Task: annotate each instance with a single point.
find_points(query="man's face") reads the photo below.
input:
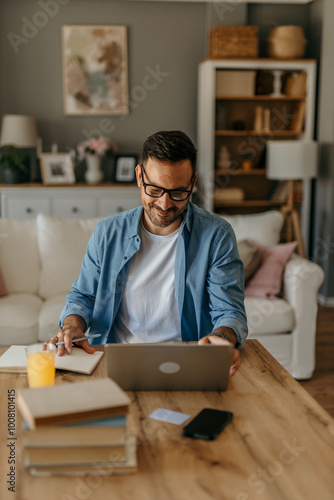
(163, 215)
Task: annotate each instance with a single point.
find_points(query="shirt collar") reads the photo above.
(134, 224)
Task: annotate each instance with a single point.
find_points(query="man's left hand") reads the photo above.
(214, 339)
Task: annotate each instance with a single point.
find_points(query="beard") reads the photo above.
(163, 218)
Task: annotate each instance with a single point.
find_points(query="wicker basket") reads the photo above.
(286, 42)
(234, 42)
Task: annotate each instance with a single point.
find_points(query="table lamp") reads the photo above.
(21, 131)
(292, 160)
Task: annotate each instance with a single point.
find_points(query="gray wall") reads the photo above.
(170, 36)
(323, 242)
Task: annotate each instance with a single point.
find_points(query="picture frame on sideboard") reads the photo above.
(57, 168)
(125, 165)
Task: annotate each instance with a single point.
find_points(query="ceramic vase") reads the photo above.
(93, 174)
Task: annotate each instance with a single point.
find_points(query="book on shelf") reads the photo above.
(101, 468)
(272, 190)
(14, 360)
(279, 191)
(296, 85)
(74, 402)
(297, 122)
(300, 89)
(298, 192)
(290, 84)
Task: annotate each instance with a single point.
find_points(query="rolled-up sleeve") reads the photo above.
(225, 285)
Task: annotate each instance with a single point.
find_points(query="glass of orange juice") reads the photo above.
(41, 364)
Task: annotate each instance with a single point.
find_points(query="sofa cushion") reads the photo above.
(62, 245)
(264, 228)
(265, 317)
(267, 281)
(49, 317)
(19, 319)
(250, 255)
(19, 257)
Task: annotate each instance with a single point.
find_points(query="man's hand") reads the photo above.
(73, 327)
(214, 339)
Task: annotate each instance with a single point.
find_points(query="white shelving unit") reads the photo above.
(209, 136)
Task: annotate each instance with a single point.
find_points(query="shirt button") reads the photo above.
(125, 258)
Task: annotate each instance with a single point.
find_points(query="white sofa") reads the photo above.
(41, 258)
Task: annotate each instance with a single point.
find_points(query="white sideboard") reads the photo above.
(25, 201)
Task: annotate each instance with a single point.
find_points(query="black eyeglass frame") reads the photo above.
(163, 190)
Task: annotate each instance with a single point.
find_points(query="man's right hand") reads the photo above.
(73, 327)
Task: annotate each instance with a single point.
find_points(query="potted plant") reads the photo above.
(15, 164)
(248, 160)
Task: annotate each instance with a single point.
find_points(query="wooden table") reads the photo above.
(280, 445)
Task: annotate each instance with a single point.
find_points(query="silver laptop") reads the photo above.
(179, 366)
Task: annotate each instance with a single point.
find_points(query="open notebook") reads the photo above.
(14, 360)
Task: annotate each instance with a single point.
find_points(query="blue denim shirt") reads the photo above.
(209, 275)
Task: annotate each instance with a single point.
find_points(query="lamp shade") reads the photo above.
(18, 130)
(292, 159)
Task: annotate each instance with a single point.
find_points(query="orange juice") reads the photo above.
(41, 368)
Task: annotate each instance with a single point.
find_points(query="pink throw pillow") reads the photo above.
(267, 281)
(3, 288)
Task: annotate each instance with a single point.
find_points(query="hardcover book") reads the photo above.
(73, 402)
(100, 469)
(75, 436)
(75, 455)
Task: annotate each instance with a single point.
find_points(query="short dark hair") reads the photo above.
(170, 146)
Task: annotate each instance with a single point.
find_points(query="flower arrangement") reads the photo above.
(98, 147)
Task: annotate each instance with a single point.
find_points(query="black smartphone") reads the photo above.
(207, 424)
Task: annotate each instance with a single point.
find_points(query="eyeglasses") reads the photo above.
(158, 192)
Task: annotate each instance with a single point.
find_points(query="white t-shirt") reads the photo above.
(148, 311)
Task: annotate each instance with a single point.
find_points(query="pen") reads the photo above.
(82, 338)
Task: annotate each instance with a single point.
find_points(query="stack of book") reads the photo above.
(77, 429)
(280, 191)
(296, 84)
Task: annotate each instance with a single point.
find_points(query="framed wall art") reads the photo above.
(95, 70)
(125, 168)
(57, 168)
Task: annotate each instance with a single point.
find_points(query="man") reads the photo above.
(166, 271)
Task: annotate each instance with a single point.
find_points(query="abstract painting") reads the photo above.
(95, 71)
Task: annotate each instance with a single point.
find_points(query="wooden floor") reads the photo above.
(321, 385)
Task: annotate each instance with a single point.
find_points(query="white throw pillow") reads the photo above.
(62, 245)
(264, 228)
(19, 259)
